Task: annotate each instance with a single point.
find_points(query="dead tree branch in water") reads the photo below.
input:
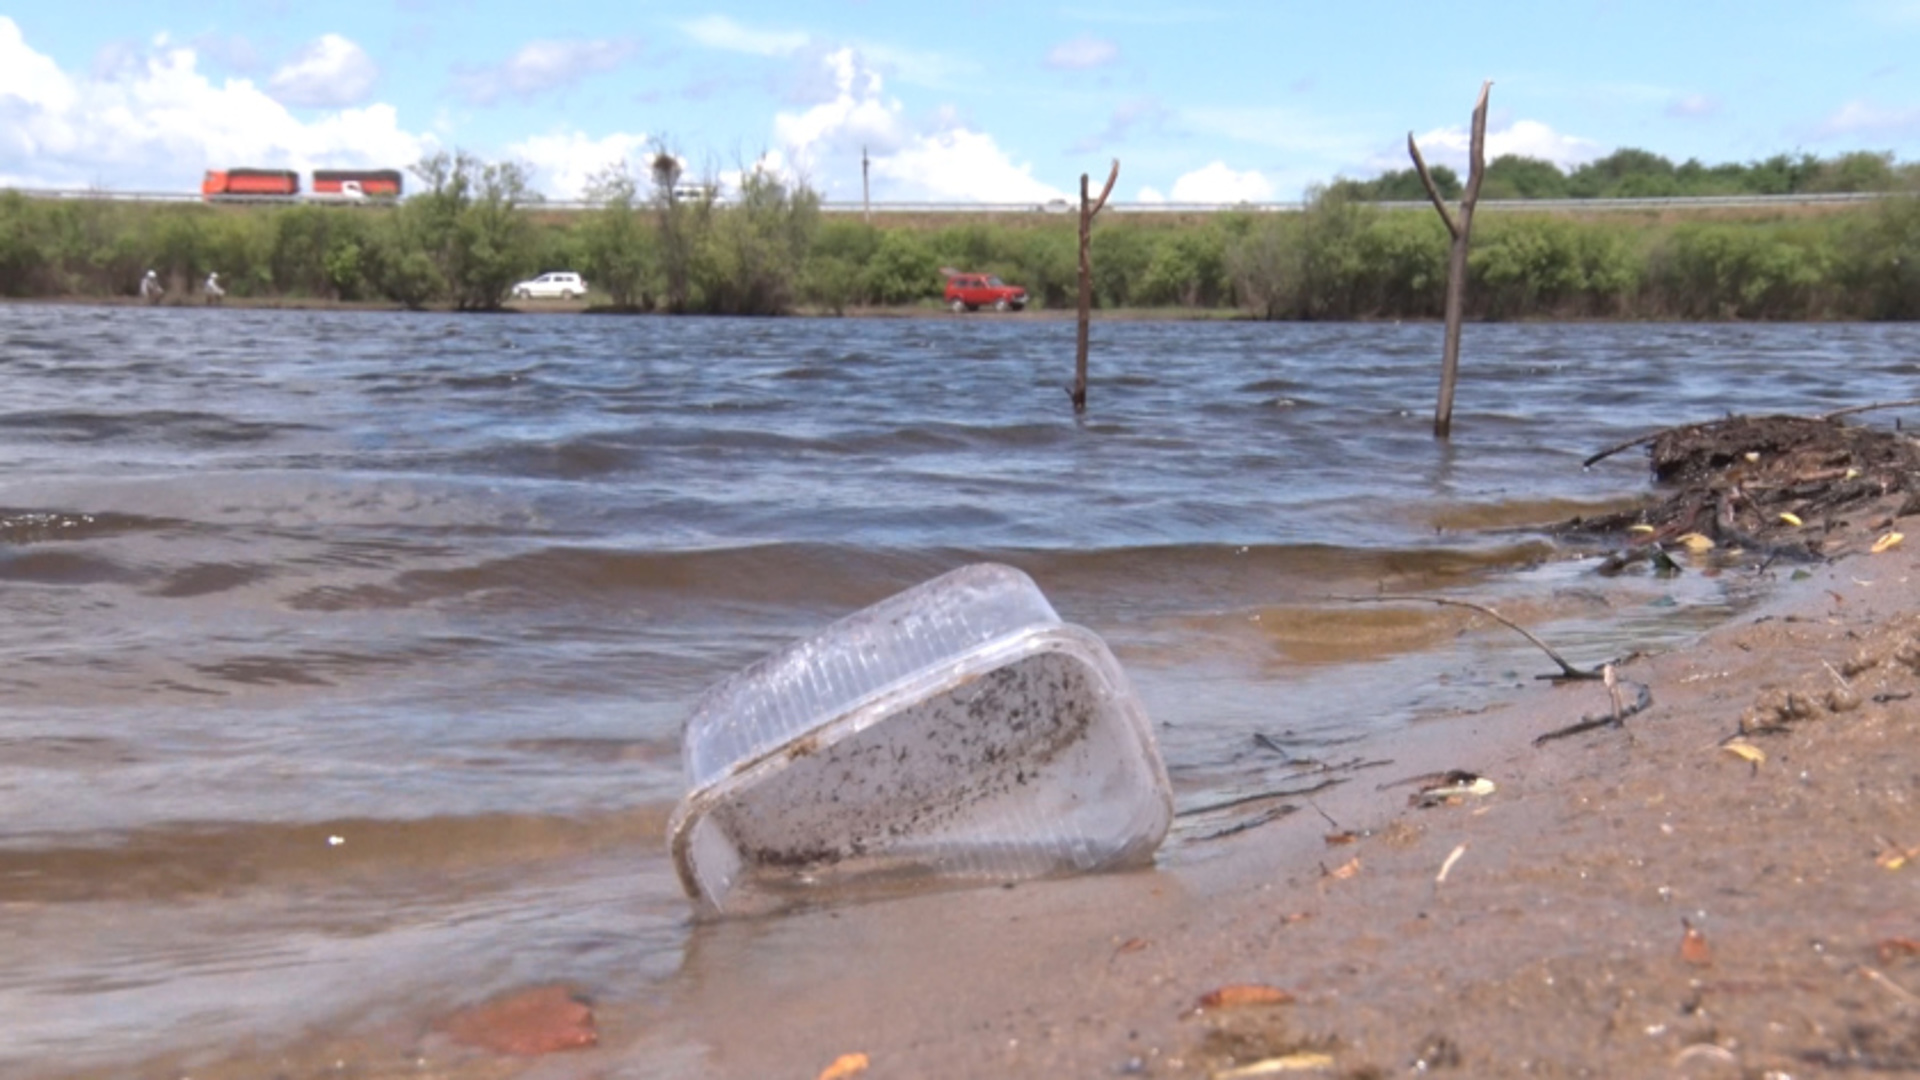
(1617, 447)
(1567, 670)
(1850, 410)
(1461, 229)
(1823, 417)
(1078, 391)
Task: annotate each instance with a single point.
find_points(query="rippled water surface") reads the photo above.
(345, 653)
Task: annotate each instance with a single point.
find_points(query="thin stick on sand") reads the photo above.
(1567, 670)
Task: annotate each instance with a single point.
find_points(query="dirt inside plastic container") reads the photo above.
(991, 778)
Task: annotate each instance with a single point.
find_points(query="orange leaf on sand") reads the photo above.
(844, 1066)
(526, 1022)
(1693, 945)
(1898, 946)
(1237, 994)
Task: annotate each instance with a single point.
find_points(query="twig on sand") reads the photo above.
(1894, 988)
(1616, 717)
(1567, 670)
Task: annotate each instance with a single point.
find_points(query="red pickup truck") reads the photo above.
(971, 292)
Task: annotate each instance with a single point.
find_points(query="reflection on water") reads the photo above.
(442, 590)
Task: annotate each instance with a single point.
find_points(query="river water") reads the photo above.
(345, 653)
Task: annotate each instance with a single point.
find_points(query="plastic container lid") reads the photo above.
(956, 730)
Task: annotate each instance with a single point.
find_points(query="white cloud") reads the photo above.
(330, 72)
(1081, 53)
(28, 78)
(720, 32)
(1283, 128)
(1450, 146)
(1859, 117)
(1693, 106)
(1163, 16)
(1216, 183)
(961, 166)
(564, 162)
(1896, 12)
(1126, 116)
(856, 114)
(155, 124)
(950, 164)
(540, 66)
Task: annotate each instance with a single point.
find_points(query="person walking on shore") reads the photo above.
(214, 292)
(150, 288)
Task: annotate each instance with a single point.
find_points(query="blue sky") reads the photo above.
(984, 100)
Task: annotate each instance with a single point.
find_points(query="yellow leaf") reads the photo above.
(1640, 528)
(1891, 540)
(1696, 543)
(1792, 519)
(1299, 1062)
(1237, 994)
(1746, 752)
(844, 1066)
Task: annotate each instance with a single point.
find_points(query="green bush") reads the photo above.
(473, 232)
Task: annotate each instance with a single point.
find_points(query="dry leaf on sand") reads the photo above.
(1693, 945)
(527, 1022)
(844, 1066)
(1237, 994)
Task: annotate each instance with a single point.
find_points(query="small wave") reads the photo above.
(62, 568)
(191, 430)
(42, 526)
(829, 577)
(173, 861)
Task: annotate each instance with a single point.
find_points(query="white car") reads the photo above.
(561, 284)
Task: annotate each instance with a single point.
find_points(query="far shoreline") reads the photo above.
(926, 311)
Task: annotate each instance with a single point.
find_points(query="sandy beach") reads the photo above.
(1635, 900)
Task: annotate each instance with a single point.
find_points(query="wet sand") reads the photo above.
(1632, 901)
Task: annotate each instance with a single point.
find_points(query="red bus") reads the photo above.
(374, 183)
(250, 184)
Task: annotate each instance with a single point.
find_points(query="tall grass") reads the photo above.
(473, 232)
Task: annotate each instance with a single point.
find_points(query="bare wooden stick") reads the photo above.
(1612, 450)
(1078, 391)
(1426, 181)
(1567, 670)
(1868, 408)
(1461, 229)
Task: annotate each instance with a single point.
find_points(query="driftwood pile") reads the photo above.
(1763, 488)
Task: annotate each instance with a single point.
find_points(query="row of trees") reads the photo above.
(474, 231)
(1639, 174)
(471, 232)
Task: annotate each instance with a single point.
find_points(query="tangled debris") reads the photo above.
(1762, 487)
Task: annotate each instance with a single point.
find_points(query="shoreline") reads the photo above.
(1631, 901)
(927, 311)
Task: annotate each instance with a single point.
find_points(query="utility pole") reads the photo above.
(866, 197)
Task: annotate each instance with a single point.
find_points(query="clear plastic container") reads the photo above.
(957, 730)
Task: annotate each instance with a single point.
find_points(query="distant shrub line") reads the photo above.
(475, 230)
